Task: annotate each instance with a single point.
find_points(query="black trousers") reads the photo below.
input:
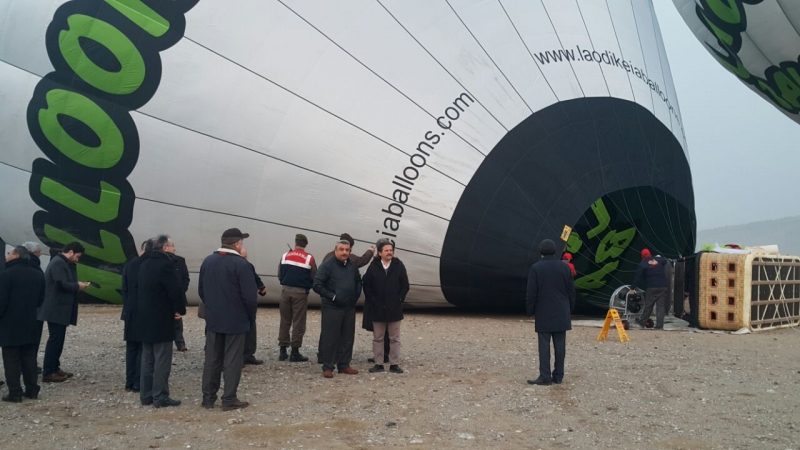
(655, 297)
(251, 342)
(133, 364)
(180, 342)
(18, 361)
(54, 348)
(338, 335)
(39, 342)
(560, 345)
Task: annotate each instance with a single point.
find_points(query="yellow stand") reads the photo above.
(613, 315)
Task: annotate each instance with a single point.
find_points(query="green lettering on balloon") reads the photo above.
(123, 82)
(790, 91)
(596, 280)
(103, 211)
(83, 109)
(603, 218)
(613, 244)
(111, 250)
(726, 10)
(109, 283)
(142, 15)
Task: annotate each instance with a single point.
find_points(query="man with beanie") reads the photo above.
(338, 283)
(228, 290)
(652, 275)
(550, 299)
(359, 262)
(296, 274)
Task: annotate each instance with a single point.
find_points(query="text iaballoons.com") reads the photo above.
(405, 180)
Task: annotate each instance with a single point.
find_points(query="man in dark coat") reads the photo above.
(338, 283)
(60, 307)
(551, 299)
(22, 290)
(228, 290)
(359, 261)
(182, 273)
(251, 338)
(160, 304)
(130, 305)
(35, 251)
(652, 275)
(385, 289)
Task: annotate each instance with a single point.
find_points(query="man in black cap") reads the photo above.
(551, 298)
(296, 274)
(228, 291)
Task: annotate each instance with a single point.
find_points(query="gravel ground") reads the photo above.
(464, 387)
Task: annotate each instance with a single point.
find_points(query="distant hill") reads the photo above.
(783, 232)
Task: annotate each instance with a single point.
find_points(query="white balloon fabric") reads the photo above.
(756, 40)
(464, 130)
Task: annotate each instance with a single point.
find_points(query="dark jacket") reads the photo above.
(22, 290)
(385, 291)
(297, 269)
(551, 295)
(359, 261)
(159, 299)
(228, 291)
(181, 272)
(61, 292)
(651, 273)
(36, 263)
(130, 297)
(338, 284)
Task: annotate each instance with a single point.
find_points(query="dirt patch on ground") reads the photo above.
(464, 387)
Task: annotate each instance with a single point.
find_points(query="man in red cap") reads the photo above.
(652, 275)
(567, 258)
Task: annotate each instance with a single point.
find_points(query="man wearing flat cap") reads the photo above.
(296, 274)
(551, 298)
(228, 291)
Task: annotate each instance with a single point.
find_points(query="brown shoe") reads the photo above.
(327, 374)
(53, 378)
(64, 374)
(348, 370)
(235, 405)
(183, 349)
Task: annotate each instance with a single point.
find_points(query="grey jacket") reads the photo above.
(228, 291)
(338, 283)
(61, 293)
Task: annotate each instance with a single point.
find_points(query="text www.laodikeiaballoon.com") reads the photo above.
(609, 58)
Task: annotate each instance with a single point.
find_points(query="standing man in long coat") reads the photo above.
(130, 304)
(160, 304)
(551, 299)
(385, 289)
(21, 292)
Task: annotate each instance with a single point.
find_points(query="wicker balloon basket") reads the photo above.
(757, 292)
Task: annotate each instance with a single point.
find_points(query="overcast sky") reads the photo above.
(744, 153)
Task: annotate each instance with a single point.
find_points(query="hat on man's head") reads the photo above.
(567, 256)
(346, 237)
(301, 238)
(646, 253)
(547, 247)
(235, 233)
